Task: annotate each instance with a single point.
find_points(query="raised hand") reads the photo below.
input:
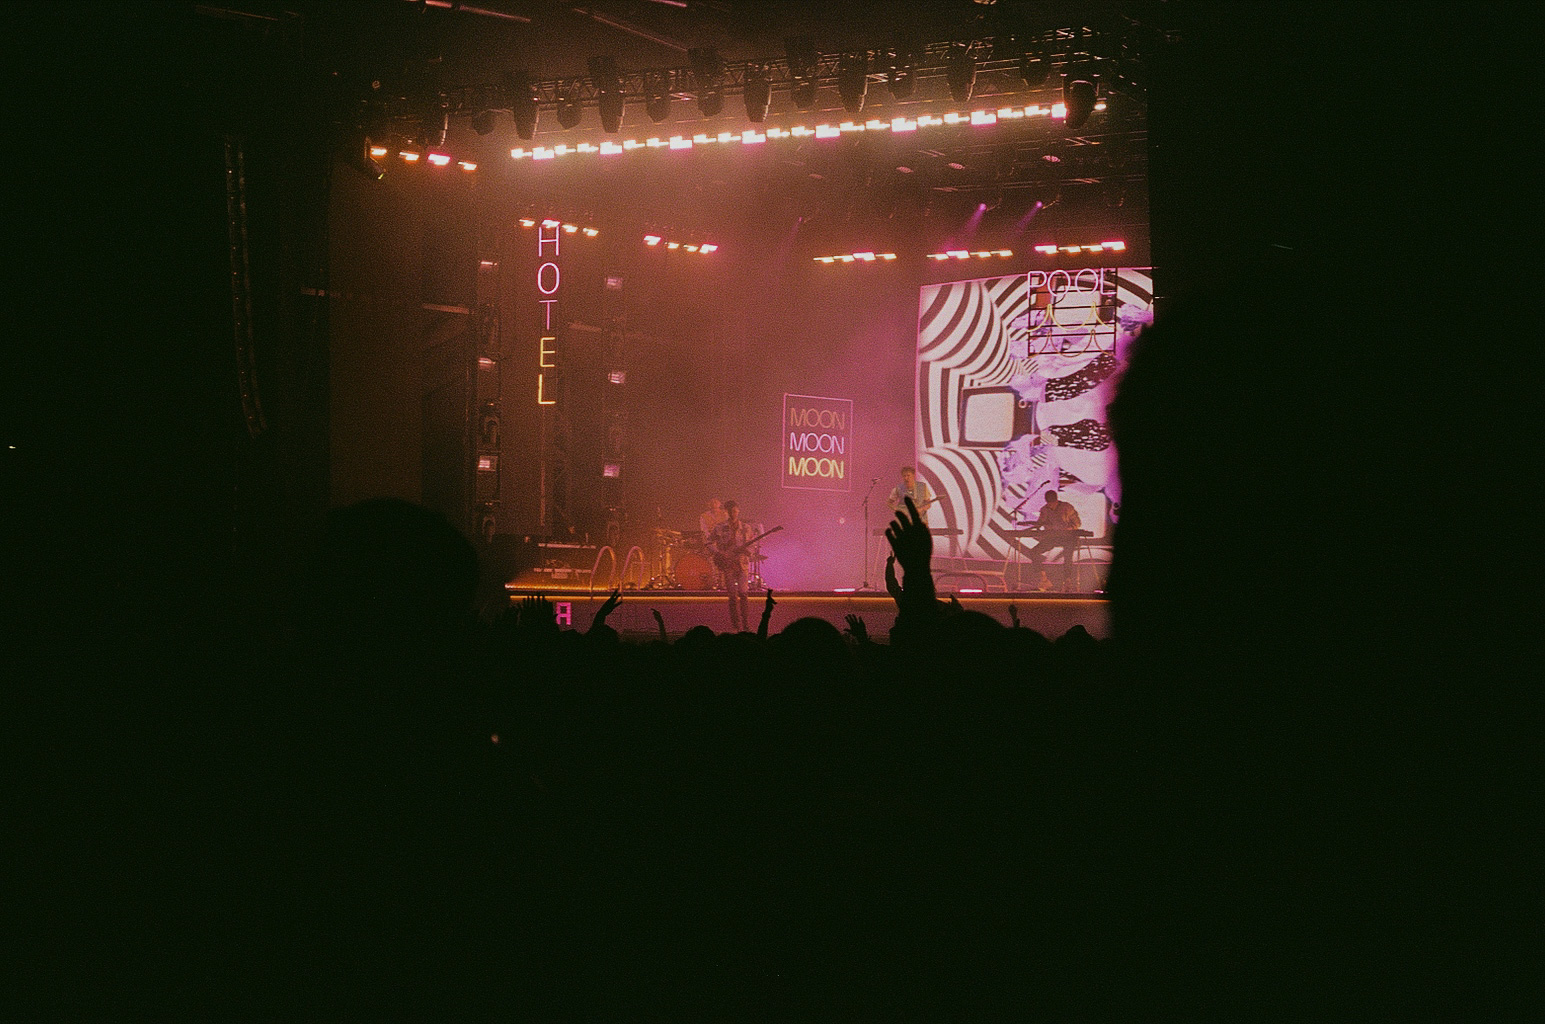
(767, 610)
(659, 620)
(857, 630)
(607, 607)
(537, 615)
(892, 585)
(955, 606)
(1014, 614)
(911, 540)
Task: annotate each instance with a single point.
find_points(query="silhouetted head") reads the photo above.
(389, 569)
(733, 510)
(814, 638)
(1051, 497)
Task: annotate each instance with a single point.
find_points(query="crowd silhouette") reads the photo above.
(1253, 795)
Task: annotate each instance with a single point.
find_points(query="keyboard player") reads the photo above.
(1060, 528)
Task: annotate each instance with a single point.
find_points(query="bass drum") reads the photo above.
(694, 572)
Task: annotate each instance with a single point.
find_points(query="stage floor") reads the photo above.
(1048, 613)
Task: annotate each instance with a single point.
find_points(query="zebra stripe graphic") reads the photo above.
(1060, 341)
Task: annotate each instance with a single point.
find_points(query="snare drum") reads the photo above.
(694, 571)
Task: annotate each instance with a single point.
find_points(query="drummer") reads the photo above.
(712, 517)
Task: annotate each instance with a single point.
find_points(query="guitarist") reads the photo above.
(911, 487)
(728, 543)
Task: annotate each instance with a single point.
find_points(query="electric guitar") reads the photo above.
(725, 560)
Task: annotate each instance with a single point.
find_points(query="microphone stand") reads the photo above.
(866, 585)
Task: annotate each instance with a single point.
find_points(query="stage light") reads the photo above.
(657, 96)
(618, 376)
(571, 228)
(980, 117)
(440, 159)
(608, 84)
(679, 142)
(518, 153)
(610, 148)
(466, 165)
(751, 137)
(826, 131)
(708, 247)
(1078, 96)
(853, 80)
(527, 222)
(362, 156)
(591, 232)
(569, 107)
(707, 79)
(757, 93)
(1034, 68)
(960, 71)
(900, 74)
(409, 155)
(903, 124)
(803, 62)
(651, 239)
(522, 99)
(673, 245)
(483, 122)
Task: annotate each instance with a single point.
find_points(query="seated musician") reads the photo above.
(1060, 527)
(711, 518)
(728, 544)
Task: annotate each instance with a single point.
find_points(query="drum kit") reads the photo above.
(685, 563)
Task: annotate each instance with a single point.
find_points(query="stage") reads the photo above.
(1047, 613)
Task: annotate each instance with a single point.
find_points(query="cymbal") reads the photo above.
(660, 531)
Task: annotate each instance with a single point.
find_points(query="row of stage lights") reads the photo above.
(435, 158)
(748, 137)
(572, 229)
(966, 254)
(701, 248)
(751, 136)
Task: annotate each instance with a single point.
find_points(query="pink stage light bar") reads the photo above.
(962, 254)
(1051, 248)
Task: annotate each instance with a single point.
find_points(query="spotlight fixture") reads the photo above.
(803, 61)
(522, 99)
(1034, 68)
(608, 84)
(1078, 95)
(483, 122)
(657, 96)
(960, 71)
(361, 157)
(853, 80)
(901, 75)
(568, 106)
(707, 79)
(757, 93)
